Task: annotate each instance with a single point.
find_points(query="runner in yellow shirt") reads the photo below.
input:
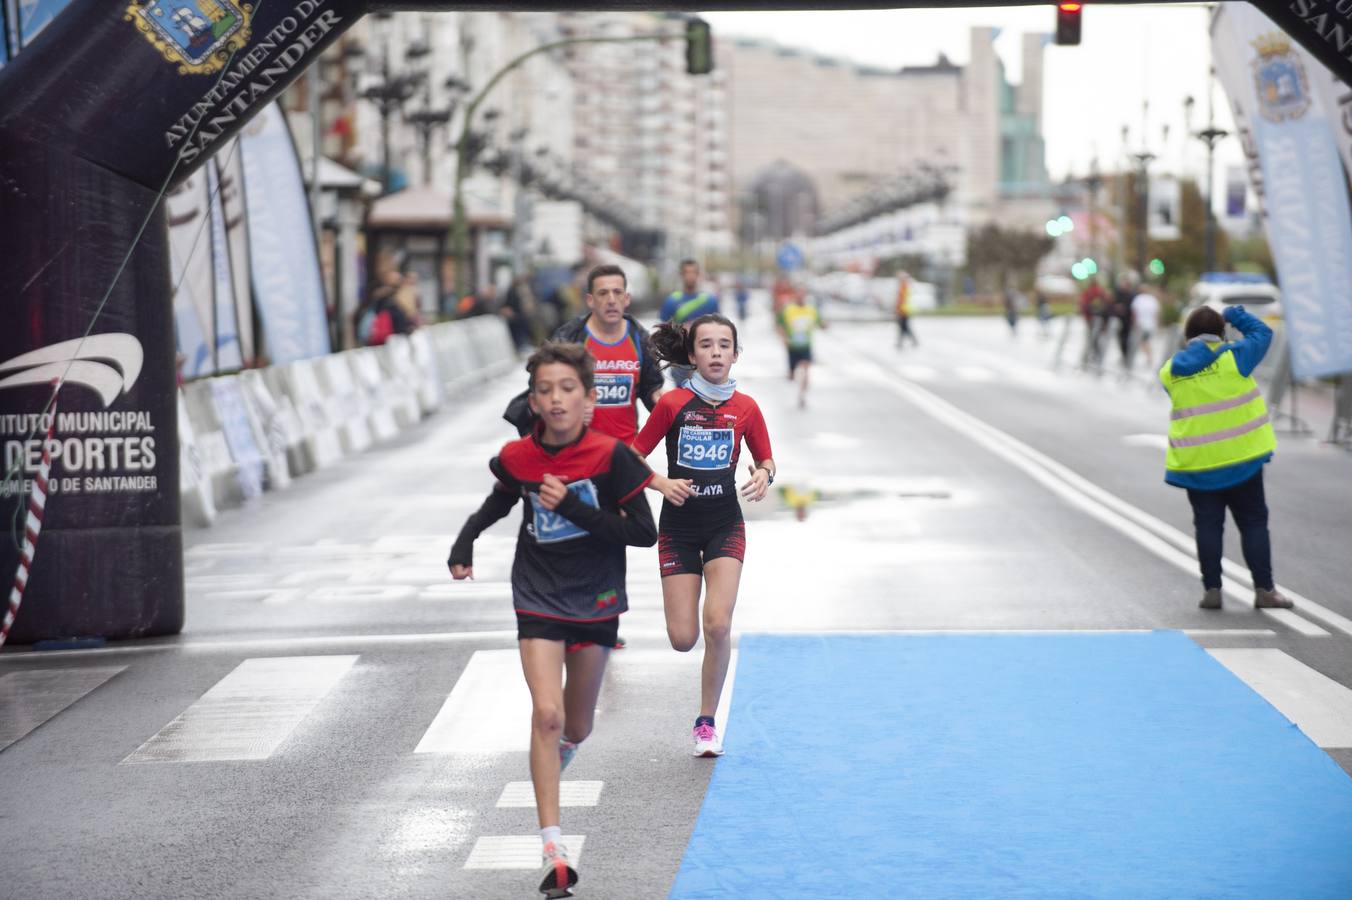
(796, 324)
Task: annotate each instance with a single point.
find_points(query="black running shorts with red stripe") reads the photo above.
(686, 552)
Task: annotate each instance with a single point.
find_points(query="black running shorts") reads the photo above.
(685, 551)
(797, 356)
(575, 634)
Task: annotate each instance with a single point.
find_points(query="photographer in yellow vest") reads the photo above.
(1220, 438)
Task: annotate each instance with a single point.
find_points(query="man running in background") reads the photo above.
(689, 302)
(686, 305)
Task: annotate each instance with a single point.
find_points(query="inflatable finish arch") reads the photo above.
(114, 102)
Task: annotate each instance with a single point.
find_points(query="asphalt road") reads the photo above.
(957, 486)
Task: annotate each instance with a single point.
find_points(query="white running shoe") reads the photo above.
(558, 876)
(706, 741)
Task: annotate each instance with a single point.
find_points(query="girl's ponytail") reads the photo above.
(669, 344)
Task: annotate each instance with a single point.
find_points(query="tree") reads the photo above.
(1252, 254)
(996, 255)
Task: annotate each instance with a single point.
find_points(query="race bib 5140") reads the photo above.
(550, 527)
(614, 388)
(705, 448)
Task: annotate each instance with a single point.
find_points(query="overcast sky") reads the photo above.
(1128, 54)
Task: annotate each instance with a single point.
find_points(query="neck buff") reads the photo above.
(707, 390)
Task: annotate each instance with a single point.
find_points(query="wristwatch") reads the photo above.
(770, 476)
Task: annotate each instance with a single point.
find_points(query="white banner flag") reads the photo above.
(1287, 127)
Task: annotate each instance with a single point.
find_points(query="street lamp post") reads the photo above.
(389, 95)
(1209, 136)
(1093, 182)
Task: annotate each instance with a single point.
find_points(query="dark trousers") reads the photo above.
(1248, 505)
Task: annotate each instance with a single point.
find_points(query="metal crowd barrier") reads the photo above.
(241, 435)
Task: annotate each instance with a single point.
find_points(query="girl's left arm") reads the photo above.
(757, 438)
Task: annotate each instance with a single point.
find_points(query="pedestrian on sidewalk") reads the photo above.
(1220, 438)
(701, 544)
(583, 504)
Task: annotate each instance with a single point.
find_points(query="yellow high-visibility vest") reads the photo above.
(1219, 417)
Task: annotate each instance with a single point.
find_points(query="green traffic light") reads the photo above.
(1157, 266)
(699, 50)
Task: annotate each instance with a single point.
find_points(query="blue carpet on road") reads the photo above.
(953, 766)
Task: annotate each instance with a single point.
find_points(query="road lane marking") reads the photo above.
(1318, 705)
(919, 373)
(488, 710)
(248, 713)
(521, 794)
(518, 851)
(976, 374)
(725, 699)
(1229, 632)
(1152, 441)
(28, 699)
(1162, 539)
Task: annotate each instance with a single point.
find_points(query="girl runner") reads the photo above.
(584, 502)
(701, 543)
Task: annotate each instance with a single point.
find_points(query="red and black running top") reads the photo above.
(569, 561)
(704, 442)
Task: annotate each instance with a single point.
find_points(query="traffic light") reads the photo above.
(699, 47)
(1068, 23)
(1156, 267)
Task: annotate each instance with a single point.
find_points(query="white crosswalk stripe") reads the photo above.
(248, 713)
(488, 711)
(521, 794)
(518, 851)
(28, 699)
(1318, 705)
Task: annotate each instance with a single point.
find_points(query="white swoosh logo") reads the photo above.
(73, 362)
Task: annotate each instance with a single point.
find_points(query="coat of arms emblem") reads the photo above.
(1279, 76)
(199, 35)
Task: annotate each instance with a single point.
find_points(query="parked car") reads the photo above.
(1221, 289)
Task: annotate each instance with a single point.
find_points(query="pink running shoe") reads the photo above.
(707, 743)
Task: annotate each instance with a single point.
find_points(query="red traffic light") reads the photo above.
(1068, 23)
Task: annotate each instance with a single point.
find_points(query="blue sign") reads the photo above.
(789, 257)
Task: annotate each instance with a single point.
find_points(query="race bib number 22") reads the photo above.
(550, 527)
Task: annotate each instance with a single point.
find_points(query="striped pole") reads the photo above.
(37, 504)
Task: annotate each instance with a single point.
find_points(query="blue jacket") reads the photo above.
(1196, 356)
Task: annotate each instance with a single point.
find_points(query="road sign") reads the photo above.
(789, 257)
